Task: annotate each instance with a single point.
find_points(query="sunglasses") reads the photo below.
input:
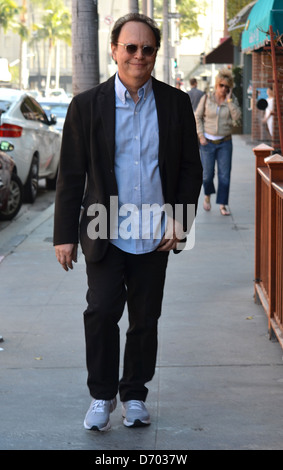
(131, 49)
(222, 86)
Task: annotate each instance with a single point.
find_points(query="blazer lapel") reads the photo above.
(162, 107)
(107, 110)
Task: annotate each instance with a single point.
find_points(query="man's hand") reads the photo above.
(174, 233)
(66, 254)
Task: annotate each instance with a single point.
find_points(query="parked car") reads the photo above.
(36, 141)
(11, 188)
(56, 108)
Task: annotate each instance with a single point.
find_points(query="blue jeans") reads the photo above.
(222, 154)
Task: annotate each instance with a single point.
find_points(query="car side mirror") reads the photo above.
(52, 119)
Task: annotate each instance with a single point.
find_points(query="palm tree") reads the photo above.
(188, 9)
(56, 26)
(147, 7)
(22, 30)
(8, 9)
(85, 45)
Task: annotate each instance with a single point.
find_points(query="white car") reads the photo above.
(36, 142)
(57, 108)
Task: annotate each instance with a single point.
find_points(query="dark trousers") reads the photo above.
(119, 278)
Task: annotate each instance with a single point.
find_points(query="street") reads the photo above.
(12, 231)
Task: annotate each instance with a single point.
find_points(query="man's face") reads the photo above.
(134, 69)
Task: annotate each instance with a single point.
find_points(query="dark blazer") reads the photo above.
(88, 148)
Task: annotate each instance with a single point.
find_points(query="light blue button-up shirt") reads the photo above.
(138, 227)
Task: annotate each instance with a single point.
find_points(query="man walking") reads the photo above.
(194, 93)
(132, 140)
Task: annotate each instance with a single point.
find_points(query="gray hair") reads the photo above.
(139, 18)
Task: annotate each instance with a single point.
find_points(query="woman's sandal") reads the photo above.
(224, 211)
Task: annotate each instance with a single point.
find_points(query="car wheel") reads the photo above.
(31, 186)
(15, 199)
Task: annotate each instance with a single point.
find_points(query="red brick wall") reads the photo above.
(279, 65)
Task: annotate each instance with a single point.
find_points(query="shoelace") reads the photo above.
(135, 405)
(98, 406)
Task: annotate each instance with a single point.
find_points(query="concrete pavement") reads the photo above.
(219, 379)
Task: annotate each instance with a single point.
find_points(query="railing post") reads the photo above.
(275, 167)
(261, 152)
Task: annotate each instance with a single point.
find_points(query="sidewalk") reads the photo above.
(219, 379)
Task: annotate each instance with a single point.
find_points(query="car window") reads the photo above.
(60, 110)
(4, 105)
(32, 111)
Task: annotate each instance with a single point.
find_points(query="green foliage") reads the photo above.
(56, 22)
(8, 10)
(22, 30)
(189, 10)
(238, 83)
(233, 7)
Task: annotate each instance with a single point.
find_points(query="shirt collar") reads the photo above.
(122, 91)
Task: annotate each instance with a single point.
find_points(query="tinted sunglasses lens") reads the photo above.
(131, 48)
(148, 50)
(222, 86)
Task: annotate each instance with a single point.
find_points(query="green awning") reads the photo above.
(265, 13)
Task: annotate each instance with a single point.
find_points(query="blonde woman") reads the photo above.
(215, 115)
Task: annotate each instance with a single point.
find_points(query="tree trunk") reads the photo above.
(144, 7)
(134, 6)
(147, 7)
(49, 66)
(85, 45)
(57, 73)
(150, 8)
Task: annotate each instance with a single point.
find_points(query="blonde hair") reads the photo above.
(225, 74)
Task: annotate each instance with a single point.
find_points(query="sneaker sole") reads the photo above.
(96, 428)
(136, 424)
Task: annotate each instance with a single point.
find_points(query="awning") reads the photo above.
(222, 54)
(265, 13)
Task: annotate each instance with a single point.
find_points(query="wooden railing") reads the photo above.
(268, 281)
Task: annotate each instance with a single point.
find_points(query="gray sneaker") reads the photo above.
(97, 417)
(135, 413)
